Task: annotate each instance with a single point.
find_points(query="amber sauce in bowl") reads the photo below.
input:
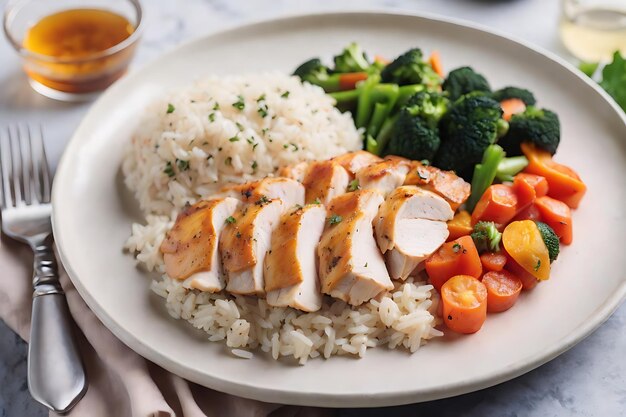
(70, 54)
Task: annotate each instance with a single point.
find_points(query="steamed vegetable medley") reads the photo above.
(506, 236)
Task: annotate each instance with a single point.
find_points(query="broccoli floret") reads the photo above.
(539, 126)
(486, 237)
(415, 133)
(550, 239)
(464, 80)
(471, 124)
(410, 68)
(351, 59)
(514, 92)
(314, 72)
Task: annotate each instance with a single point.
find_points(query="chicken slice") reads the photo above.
(290, 191)
(190, 248)
(353, 162)
(351, 266)
(244, 245)
(447, 184)
(324, 181)
(384, 176)
(295, 171)
(291, 264)
(410, 226)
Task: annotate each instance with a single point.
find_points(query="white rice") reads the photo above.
(230, 129)
(302, 126)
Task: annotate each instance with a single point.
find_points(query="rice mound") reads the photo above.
(230, 129)
(185, 150)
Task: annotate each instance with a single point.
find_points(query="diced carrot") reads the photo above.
(464, 301)
(381, 59)
(528, 280)
(497, 204)
(348, 80)
(558, 216)
(564, 183)
(458, 257)
(524, 243)
(525, 193)
(435, 62)
(493, 261)
(529, 213)
(503, 288)
(539, 183)
(460, 225)
(511, 106)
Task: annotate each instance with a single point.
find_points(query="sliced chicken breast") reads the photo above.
(353, 162)
(410, 226)
(295, 171)
(290, 191)
(351, 267)
(447, 184)
(190, 248)
(324, 181)
(291, 278)
(244, 245)
(384, 176)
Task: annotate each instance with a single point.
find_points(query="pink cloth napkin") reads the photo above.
(121, 383)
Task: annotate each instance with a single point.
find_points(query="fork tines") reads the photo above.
(24, 170)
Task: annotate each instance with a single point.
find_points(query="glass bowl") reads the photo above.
(69, 78)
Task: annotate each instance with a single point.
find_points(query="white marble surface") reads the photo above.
(588, 380)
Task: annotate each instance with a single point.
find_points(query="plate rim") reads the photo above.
(313, 398)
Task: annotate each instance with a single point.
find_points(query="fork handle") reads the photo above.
(56, 376)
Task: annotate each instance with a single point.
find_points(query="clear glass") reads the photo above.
(71, 79)
(592, 30)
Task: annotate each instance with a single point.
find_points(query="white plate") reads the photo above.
(93, 213)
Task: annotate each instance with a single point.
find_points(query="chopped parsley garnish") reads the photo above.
(365, 266)
(239, 104)
(182, 165)
(261, 98)
(425, 162)
(538, 265)
(264, 131)
(285, 94)
(334, 219)
(250, 140)
(456, 248)
(262, 110)
(238, 234)
(295, 147)
(170, 108)
(263, 200)
(254, 146)
(354, 185)
(228, 161)
(239, 126)
(255, 165)
(230, 220)
(285, 145)
(234, 139)
(317, 201)
(212, 117)
(216, 106)
(169, 169)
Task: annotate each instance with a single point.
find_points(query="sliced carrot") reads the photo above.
(464, 301)
(348, 80)
(493, 261)
(529, 213)
(558, 216)
(511, 106)
(539, 183)
(528, 280)
(460, 225)
(435, 62)
(525, 193)
(458, 257)
(564, 183)
(503, 288)
(524, 243)
(497, 204)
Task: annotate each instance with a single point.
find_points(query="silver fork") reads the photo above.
(56, 376)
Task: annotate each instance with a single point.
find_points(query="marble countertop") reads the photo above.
(588, 380)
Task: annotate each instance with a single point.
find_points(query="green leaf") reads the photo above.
(614, 79)
(588, 68)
